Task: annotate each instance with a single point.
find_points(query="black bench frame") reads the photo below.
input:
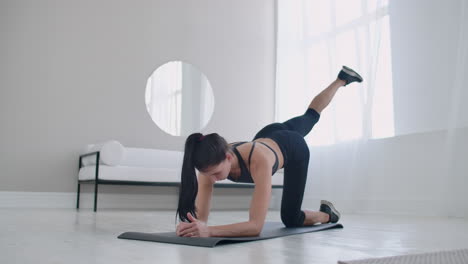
(98, 181)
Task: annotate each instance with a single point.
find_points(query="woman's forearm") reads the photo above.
(243, 229)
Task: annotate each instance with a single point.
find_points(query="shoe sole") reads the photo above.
(352, 73)
(329, 204)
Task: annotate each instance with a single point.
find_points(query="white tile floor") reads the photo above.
(68, 236)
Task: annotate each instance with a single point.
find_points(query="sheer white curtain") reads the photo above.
(314, 39)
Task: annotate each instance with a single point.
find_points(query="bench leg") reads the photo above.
(78, 197)
(95, 195)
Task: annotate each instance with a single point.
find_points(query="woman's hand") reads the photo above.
(194, 229)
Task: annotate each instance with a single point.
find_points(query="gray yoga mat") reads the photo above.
(458, 256)
(270, 230)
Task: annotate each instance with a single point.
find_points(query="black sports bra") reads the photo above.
(245, 175)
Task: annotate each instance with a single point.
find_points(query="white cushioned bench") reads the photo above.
(111, 163)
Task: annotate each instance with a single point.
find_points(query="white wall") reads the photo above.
(74, 72)
(423, 170)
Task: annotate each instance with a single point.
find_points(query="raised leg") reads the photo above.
(323, 99)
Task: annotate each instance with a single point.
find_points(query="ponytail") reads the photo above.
(200, 153)
(188, 181)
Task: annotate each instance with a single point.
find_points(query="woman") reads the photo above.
(276, 146)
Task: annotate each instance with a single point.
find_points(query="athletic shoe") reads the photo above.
(349, 75)
(328, 208)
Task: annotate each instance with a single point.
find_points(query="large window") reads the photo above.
(315, 38)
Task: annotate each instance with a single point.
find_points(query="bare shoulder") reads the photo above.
(262, 156)
(259, 155)
(261, 167)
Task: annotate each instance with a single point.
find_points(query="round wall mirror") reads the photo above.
(179, 98)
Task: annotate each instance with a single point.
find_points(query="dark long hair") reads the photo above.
(200, 153)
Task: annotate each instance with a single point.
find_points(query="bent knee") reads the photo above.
(292, 220)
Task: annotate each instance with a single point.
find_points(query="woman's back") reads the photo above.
(244, 151)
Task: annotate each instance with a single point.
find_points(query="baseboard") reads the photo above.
(231, 201)
(413, 207)
(117, 201)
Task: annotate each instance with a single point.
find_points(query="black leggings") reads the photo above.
(290, 138)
